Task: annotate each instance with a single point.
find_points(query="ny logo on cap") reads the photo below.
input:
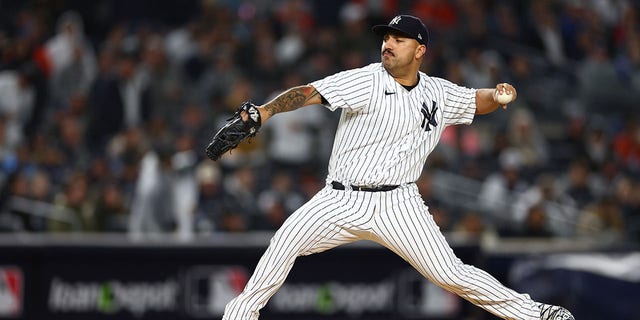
(395, 20)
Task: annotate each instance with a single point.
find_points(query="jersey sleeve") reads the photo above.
(459, 103)
(349, 89)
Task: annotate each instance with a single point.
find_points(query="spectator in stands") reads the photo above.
(265, 70)
(627, 195)
(71, 58)
(571, 143)
(193, 122)
(576, 183)
(180, 43)
(521, 71)
(602, 220)
(480, 67)
(536, 223)
(599, 82)
(153, 208)
(47, 155)
(604, 178)
(232, 220)
(8, 156)
(240, 188)
(100, 171)
(118, 101)
(626, 145)
(319, 63)
(17, 101)
(271, 217)
(40, 188)
(14, 219)
(597, 141)
(185, 185)
(525, 139)
(460, 145)
(75, 212)
(473, 27)
(111, 211)
(277, 202)
(210, 204)
(627, 40)
(354, 35)
(440, 14)
(559, 209)
(165, 89)
(73, 65)
(548, 32)
(488, 159)
(499, 189)
(128, 171)
(507, 28)
(71, 143)
(473, 226)
(219, 79)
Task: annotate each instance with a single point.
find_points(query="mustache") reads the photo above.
(388, 50)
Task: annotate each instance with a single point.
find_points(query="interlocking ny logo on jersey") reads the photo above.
(428, 117)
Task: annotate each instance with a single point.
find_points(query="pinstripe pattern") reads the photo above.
(380, 139)
(384, 137)
(406, 227)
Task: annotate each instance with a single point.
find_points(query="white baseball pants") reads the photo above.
(396, 219)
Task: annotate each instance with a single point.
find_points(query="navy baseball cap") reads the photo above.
(408, 25)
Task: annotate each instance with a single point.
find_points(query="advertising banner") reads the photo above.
(140, 282)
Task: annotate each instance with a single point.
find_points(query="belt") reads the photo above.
(339, 186)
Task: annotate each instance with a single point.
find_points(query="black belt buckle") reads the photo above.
(339, 186)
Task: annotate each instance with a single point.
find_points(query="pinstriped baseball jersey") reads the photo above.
(384, 136)
(386, 132)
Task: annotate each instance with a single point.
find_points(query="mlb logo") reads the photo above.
(209, 288)
(11, 289)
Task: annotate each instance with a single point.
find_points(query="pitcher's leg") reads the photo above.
(409, 230)
(309, 230)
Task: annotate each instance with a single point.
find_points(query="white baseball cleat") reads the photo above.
(551, 312)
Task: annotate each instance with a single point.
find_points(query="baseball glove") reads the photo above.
(235, 131)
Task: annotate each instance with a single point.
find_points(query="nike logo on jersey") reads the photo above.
(428, 117)
(386, 93)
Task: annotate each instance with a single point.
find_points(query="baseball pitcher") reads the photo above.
(392, 118)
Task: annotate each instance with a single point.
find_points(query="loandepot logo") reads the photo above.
(333, 297)
(112, 296)
(406, 292)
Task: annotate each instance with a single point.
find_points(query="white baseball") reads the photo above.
(504, 98)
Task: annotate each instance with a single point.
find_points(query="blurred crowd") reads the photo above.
(105, 110)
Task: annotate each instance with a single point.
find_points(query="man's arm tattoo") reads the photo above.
(291, 99)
